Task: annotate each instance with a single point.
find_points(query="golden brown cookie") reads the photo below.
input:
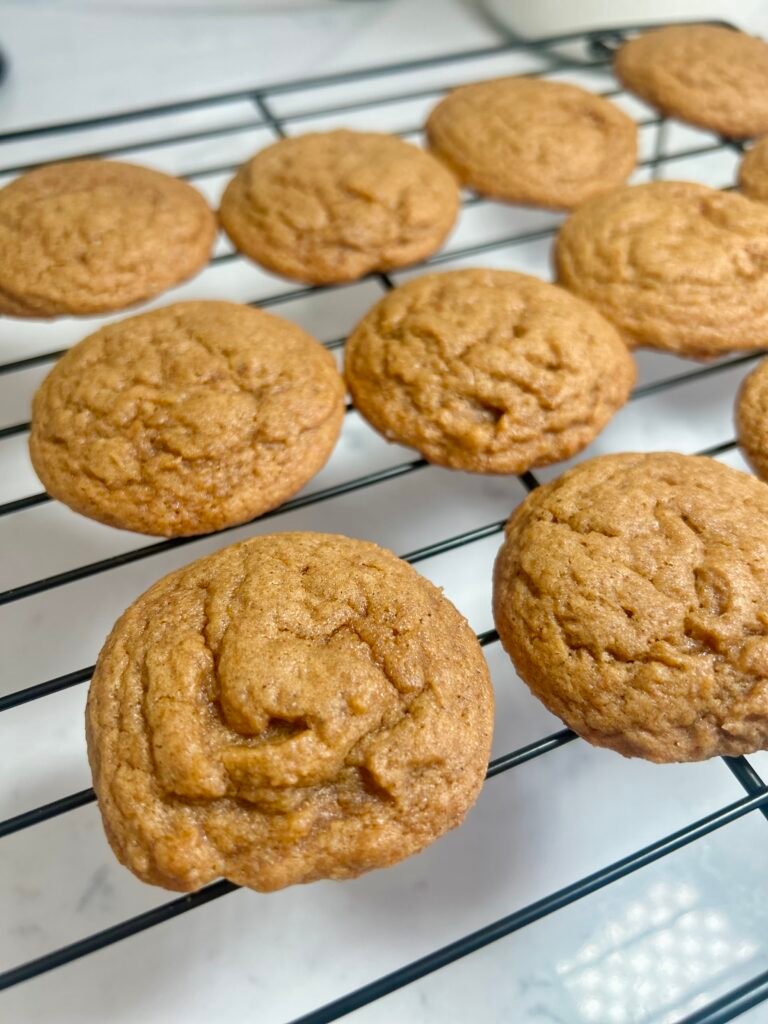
(295, 707)
(487, 370)
(96, 235)
(186, 419)
(632, 596)
(529, 141)
(753, 172)
(710, 76)
(674, 265)
(752, 419)
(330, 207)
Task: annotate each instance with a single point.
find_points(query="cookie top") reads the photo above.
(296, 707)
(632, 596)
(487, 370)
(333, 206)
(186, 419)
(752, 418)
(674, 265)
(710, 76)
(529, 141)
(96, 235)
(753, 172)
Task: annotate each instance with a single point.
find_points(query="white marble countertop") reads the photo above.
(644, 951)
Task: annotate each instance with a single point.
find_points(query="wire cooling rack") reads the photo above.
(518, 866)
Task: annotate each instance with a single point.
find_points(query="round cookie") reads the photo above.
(91, 236)
(632, 596)
(295, 707)
(675, 265)
(187, 419)
(710, 76)
(528, 141)
(753, 172)
(487, 370)
(752, 419)
(334, 206)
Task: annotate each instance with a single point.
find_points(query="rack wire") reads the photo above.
(557, 55)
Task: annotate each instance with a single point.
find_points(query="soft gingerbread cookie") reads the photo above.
(752, 419)
(753, 172)
(96, 235)
(487, 370)
(187, 419)
(632, 596)
(331, 207)
(529, 141)
(296, 707)
(713, 77)
(675, 265)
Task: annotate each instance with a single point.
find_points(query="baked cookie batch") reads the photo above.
(303, 706)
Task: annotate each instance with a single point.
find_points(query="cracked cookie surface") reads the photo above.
(752, 419)
(675, 265)
(187, 419)
(487, 370)
(632, 596)
(90, 236)
(334, 206)
(295, 707)
(710, 76)
(528, 141)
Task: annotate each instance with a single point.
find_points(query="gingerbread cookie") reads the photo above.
(529, 141)
(753, 172)
(487, 370)
(710, 76)
(96, 235)
(675, 265)
(187, 419)
(752, 419)
(295, 707)
(632, 596)
(331, 207)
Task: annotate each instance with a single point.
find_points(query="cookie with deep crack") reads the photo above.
(295, 707)
(752, 419)
(487, 370)
(524, 140)
(333, 206)
(632, 596)
(710, 76)
(187, 419)
(673, 264)
(90, 236)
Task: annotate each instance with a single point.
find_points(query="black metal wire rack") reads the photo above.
(558, 54)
